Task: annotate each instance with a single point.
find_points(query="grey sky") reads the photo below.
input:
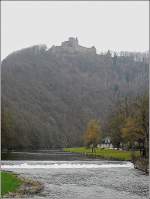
(106, 25)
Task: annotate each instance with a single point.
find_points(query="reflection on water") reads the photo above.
(43, 155)
(83, 179)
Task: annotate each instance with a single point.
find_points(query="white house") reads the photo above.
(106, 143)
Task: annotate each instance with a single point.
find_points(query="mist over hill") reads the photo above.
(51, 94)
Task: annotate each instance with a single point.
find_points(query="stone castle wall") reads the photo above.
(72, 46)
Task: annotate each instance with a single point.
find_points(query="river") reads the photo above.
(72, 176)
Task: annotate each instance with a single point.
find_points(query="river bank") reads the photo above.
(142, 164)
(108, 154)
(9, 182)
(15, 186)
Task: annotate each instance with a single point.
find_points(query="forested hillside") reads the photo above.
(49, 95)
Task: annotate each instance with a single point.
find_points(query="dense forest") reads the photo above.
(50, 95)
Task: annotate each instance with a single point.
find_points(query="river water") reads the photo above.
(72, 176)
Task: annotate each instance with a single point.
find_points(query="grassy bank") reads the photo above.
(9, 182)
(109, 154)
(14, 187)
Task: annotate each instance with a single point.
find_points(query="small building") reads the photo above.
(106, 143)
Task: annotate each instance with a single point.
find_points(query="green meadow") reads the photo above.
(109, 154)
(9, 182)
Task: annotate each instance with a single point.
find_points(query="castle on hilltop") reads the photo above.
(72, 42)
(72, 46)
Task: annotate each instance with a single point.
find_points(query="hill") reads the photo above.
(51, 94)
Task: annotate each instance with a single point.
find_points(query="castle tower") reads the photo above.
(72, 42)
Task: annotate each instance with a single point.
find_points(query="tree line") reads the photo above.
(128, 127)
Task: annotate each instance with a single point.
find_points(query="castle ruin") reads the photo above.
(72, 46)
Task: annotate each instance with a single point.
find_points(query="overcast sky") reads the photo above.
(106, 25)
